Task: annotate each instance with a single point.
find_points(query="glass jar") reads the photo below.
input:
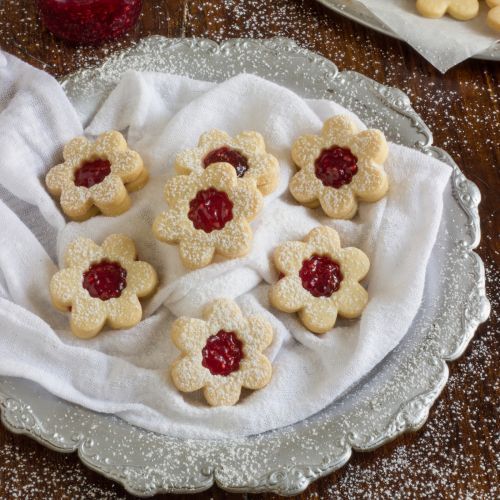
(89, 21)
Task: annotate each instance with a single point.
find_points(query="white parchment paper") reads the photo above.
(443, 42)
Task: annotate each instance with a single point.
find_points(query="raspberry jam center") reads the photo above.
(227, 155)
(320, 275)
(222, 353)
(89, 21)
(105, 280)
(92, 172)
(210, 209)
(335, 166)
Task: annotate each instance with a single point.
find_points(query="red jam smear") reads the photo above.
(335, 166)
(226, 154)
(320, 275)
(89, 21)
(222, 353)
(210, 210)
(105, 280)
(92, 172)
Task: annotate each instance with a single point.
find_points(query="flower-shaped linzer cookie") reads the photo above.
(320, 279)
(339, 166)
(221, 353)
(96, 176)
(459, 9)
(209, 213)
(102, 283)
(246, 153)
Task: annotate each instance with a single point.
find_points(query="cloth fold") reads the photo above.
(457, 40)
(126, 372)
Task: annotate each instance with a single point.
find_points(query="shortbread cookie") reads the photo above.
(246, 153)
(493, 18)
(221, 353)
(319, 279)
(102, 283)
(96, 177)
(338, 167)
(209, 212)
(459, 9)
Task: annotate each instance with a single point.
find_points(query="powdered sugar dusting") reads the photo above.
(450, 457)
(464, 475)
(56, 475)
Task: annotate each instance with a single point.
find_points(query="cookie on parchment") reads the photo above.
(221, 353)
(493, 18)
(463, 10)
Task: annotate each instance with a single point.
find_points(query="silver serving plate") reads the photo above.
(359, 13)
(394, 398)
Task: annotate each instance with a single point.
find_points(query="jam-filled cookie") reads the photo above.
(209, 213)
(96, 176)
(462, 10)
(338, 167)
(319, 279)
(221, 353)
(246, 153)
(102, 284)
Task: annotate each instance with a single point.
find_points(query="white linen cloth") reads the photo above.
(443, 42)
(126, 372)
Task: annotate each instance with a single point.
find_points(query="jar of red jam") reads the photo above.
(89, 21)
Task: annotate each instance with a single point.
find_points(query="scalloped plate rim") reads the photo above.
(314, 471)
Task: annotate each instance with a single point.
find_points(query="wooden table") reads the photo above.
(454, 454)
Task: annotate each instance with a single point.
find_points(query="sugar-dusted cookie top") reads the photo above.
(459, 9)
(102, 284)
(319, 279)
(96, 176)
(246, 152)
(209, 213)
(339, 167)
(221, 353)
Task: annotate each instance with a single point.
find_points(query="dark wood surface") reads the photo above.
(455, 454)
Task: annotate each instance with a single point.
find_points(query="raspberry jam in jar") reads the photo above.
(89, 21)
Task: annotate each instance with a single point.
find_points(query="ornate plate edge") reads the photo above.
(19, 418)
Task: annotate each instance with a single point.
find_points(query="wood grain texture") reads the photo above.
(454, 455)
